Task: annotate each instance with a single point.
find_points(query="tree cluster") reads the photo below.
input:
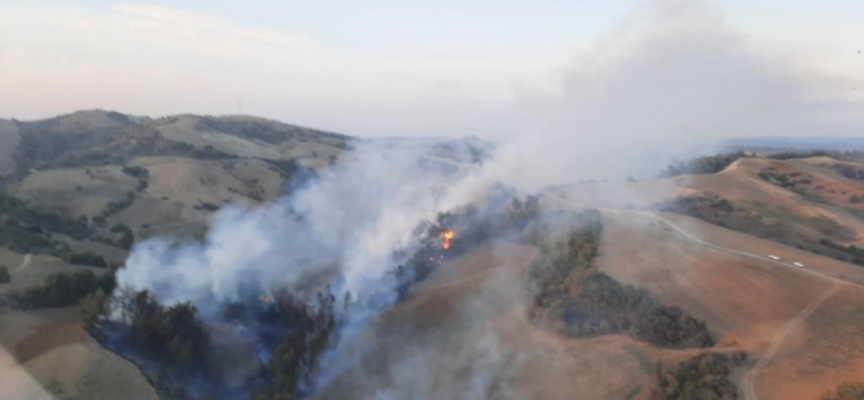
(175, 335)
(113, 207)
(704, 377)
(87, 258)
(25, 230)
(846, 391)
(63, 289)
(852, 253)
(785, 180)
(295, 360)
(570, 294)
(702, 165)
(139, 173)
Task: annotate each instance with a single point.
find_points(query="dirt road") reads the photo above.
(749, 379)
(687, 235)
(748, 383)
(24, 264)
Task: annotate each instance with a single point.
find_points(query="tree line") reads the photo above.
(571, 295)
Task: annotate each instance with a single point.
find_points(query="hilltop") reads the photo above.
(737, 275)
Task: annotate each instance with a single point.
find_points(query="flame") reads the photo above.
(266, 300)
(446, 237)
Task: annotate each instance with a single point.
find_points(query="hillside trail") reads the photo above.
(24, 264)
(749, 381)
(693, 238)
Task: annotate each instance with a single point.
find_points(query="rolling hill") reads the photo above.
(711, 251)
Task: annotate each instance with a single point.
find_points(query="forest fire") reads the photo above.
(266, 300)
(446, 237)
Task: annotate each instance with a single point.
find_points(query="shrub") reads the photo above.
(63, 289)
(704, 377)
(92, 307)
(702, 165)
(175, 335)
(87, 258)
(583, 302)
(846, 391)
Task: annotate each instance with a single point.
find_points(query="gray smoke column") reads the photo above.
(340, 230)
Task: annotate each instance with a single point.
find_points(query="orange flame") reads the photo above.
(266, 299)
(446, 237)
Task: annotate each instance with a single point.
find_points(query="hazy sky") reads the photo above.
(387, 67)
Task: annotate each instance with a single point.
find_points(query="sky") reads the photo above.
(442, 68)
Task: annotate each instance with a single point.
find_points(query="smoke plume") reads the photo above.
(673, 76)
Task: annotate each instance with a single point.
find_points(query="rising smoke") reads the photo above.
(674, 75)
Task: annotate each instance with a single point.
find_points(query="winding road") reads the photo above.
(749, 379)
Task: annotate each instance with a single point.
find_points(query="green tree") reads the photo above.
(92, 307)
(846, 391)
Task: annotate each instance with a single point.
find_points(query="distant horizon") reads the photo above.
(448, 68)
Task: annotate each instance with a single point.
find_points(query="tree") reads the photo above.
(846, 391)
(92, 307)
(176, 335)
(4, 274)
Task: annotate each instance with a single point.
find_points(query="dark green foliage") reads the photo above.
(702, 165)
(4, 274)
(140, 173)
(583, 302)
(785, 180)
(849, 171)
(136, 172)
(788, 155)
(783, 230)
(296, 358)
(127, 238)
(114, 207)
(704, 377)
(846, 391)
(63, 289)
(25, 230)
(206, 206)
(175, 335)
(43, 142)
(853, 253)
(261, 130)
(690, 205)
(88, 258)
(92, 307)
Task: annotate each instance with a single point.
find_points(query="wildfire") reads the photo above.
(446, 237)
(266, 300)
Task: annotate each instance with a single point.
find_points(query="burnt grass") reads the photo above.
(721, 212)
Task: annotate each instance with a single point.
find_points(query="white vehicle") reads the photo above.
(798, 264)
(773, 257)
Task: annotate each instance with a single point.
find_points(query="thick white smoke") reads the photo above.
(672, 76)
(341, 229)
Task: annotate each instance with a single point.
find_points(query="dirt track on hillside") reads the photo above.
(761, 305)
